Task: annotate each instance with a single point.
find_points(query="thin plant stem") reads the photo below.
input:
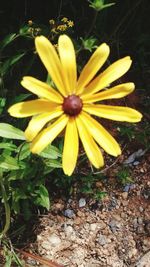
(125, 18)
(92, 24)
(7, 209)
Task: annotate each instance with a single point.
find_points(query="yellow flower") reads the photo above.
(64, 19)
(70, 106)
(62, 27)
(70, 23)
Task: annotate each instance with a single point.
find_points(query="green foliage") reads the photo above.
(11, 132)
(99, 5)
(11, 257)
(135, 133)
(24, 175)
(7, 40)
(2, 103)
(127, 131)
(5, 67)
(89, 43)
(124, 176)
(88, 186)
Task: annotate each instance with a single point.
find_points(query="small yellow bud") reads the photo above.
(52, 21)
(62, 27)
(64, 19)
(30, 22)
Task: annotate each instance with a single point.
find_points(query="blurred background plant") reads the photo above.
(27, 181)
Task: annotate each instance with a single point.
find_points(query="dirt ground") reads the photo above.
(112, 232)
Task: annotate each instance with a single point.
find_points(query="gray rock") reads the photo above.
(135, 163)
(147, 227)
(129, 187)
(144, 261)
(82, 202)
(140, 229)
(93, 226)
(141, 209)
(69, 213)
(54, 240)
(103, 240)
(140, 220)
(114, 225)
(135, 223)
(134, 156)
(69, 230)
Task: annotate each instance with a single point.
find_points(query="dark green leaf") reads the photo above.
(7, 40)
(10, 62)
(43, 197)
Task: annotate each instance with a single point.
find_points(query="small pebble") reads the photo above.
(114, 225)
(102, 240)
(147, 227)
(141, 209)
(69, 213)
(140, 229)
(68, 230)
(135, 163)
(126, 188)
(93, 226)
(140, 220)
(124, 195)
(82, 202)
(54, 240)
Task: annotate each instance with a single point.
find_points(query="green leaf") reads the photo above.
(89, 43)
(10, 62)
(20, 98)
(53, 163)
(98, 5)
(23, 151)
(7, 146)
(9, 131)
(50, 152)
(2, 104)
(10, 163)
(43, 197)
(7, 40)
(8, 260)
(25, 31)
(2, 101)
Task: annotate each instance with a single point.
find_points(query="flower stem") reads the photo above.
(92, 24)
(7, 208)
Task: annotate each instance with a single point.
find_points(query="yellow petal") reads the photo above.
(93, 65)
(92, 150)
(31, 108)
(112, 73)
(41, 89)
(38, 122)
(116, 113)
(48, 135)
(71, 147)
(101, 136)
(118, 91)
(51, 61)
(68, 60)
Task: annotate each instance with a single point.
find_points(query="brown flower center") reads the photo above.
(72, 105)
